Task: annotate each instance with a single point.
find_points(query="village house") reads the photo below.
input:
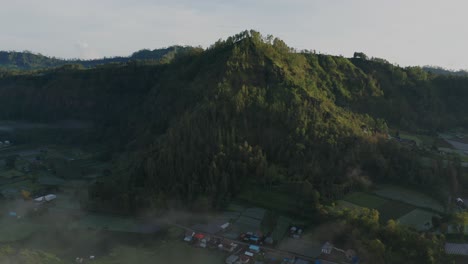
(245, 259)
(227, 246)
(232, 259)
(327, 248)
(254, 248)
(189, 236)
(46, 198)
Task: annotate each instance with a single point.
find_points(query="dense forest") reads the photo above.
(192, 128)
(249, 110)
(30, 61)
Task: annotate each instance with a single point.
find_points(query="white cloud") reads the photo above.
(86, 52)
(82, 45)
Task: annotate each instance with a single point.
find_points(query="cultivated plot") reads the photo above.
(302, 247)
(281, 228)
(168, 252)
(410, 197)
(418, 219)
(388, 209)
(12, 230)
(342, 204)
(393, 210)
(365, 200)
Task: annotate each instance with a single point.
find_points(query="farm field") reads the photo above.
(418, 219)
(345, 204)
(102, 222)
(388, 209)
(168, 252)
(282, 199)
(247, 220)
(410, 197)
(393, 210)
(365, 200)
(12, 230)
(301, 246)
(268, 199)
(281, 228)
(393, 202)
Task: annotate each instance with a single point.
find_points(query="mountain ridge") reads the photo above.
(26, 60)
(248, 110)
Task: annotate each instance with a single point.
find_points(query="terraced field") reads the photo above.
(394, 210)
(418, 219)
(365, 200)
(388, 209)
(410, 197)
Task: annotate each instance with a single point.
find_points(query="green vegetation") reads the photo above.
(29, 61)
(99, 222)
(166, 252)
(289, 199)
(418, 219)
(442, 71)
(410, 197)
(13, 230)
(394, 210)
(388, 209)
(281, 228)
(416, 138)
(251, 120)
(342, 204)
(365, 200)
(246, 112)
(389, 242)
(9, 254)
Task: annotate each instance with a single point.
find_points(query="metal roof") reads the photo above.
(456, 249)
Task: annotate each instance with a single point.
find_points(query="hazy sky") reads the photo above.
(406, 32)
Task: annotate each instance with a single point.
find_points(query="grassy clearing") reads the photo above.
(410, 197)
(281, 228)
(393, 210)
(21, 185)
(303, 247)
(388, 209)
(10, 173)
(102, 222)
(276, 200)
(417, 139)
(365, 200)
(417, 219)
(342, 204)
(268, 199)
(12, 230)
(170, 252)
(233, 207)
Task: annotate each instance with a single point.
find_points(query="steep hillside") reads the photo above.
(414, 99)
(248, 111)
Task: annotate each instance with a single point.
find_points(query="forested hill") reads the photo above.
(442, 71)
(248, 111)
(30, 61)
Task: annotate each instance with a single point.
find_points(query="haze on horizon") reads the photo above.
(416, 32)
